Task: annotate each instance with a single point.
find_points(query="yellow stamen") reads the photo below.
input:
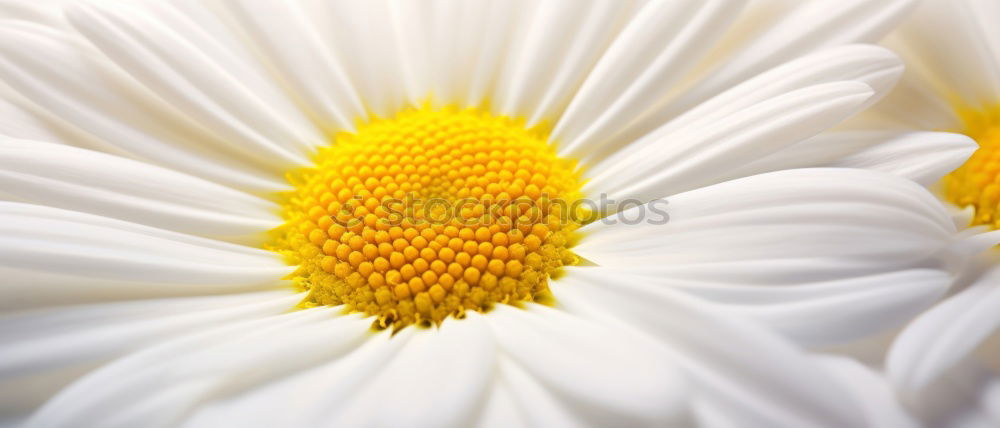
(977, 182)
(429, 214)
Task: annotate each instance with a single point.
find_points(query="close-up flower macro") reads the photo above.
(499, 213)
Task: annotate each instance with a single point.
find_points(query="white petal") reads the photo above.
(821, 213)
(924, 157)
(375, 61)
(662, 164)
(961, 216)
(487, 51)
(882, 407)
(102, 108)
(983, 14)
(810, 26)
(628, 80)
(465, 43)
(52, 256)
(876, 67)
(46, 12)
(834, 231)
(293, 45)
(427, 377)
(775, 32)
(827, 312)
(920, 156)
(175, 57)
(501, 410)
(873, 66)
(305, 384)
(535, 405)
(314, 396)
(607, 373)
(756, 377)
(966, 396)
(944, 335)
(916, 102)
(553, 49)
(75, 179)
(160, 385)
(439, 378)
(713, 414)
(20, 119)
(45, 339)
(965, 63)
(48, 348)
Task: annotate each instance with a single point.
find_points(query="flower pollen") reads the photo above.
(977, 182)
(429, 214)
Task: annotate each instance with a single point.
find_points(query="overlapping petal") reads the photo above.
(774, 385)
(92, 182)
(823, 255)
(52, 256)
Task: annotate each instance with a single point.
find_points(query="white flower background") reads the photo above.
(809, 276)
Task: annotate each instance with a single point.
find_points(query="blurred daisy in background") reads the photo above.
(193, 235)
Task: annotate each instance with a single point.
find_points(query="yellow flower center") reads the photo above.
(429, 214)
(977, 182)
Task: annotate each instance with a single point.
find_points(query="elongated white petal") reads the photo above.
(24, 121)
(924, 157)
(46, 12)
(608, 373)
(882, 407)
(51, 256)
(89, 97)
(376, 62)
(770, 383)
(47, 338)
(946, 334)
(891, 218)
(825, 312)
(318, 79)
(771, 33)
(873, 66)
(552, 52)
(876, 67)
(184, 65)
(967, 395)
(966, 63)
(754, 242)
(702, 153)
(536, 405)
(486, 51)
(465, 42)
(627, 81)
(501, 409)
(914, 103)
(313, 396)
(48, 348)
(449, 369)
(811, 26)
(161, 385)
(87, 181)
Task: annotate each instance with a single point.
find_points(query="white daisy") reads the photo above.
(147, 154)
(945, 362)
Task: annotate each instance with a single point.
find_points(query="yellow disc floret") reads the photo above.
(429, 214)
(977, 182)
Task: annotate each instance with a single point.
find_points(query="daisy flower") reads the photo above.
(221, 214)
(945, 362)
